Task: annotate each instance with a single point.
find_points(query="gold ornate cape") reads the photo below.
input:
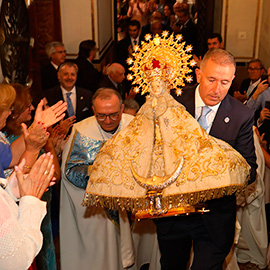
(163, 150)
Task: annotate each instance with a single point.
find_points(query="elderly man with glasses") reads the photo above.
(248, 86)
(89, 236)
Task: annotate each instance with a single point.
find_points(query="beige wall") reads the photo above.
(241, 27)
(86, 19)
(246, 29)
(76, 23)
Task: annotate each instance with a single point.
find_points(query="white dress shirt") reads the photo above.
(133, 39)
(54, 65)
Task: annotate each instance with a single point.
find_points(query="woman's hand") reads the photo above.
(35, 137)
(59, 142)
(39, 178)
(67, 124)
(50, 115)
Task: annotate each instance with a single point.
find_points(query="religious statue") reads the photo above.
(163, 162)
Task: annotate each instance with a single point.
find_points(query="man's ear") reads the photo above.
(122, 108)
(198, 75)
(93, 108)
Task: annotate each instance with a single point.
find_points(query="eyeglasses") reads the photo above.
(253, 69)
(112, 116)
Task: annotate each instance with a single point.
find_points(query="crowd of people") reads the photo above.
(47, 154)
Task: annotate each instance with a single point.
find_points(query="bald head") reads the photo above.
(116, 72)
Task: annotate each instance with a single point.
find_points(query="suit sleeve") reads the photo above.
(245, 146)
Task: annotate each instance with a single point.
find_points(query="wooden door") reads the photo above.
(45, 27)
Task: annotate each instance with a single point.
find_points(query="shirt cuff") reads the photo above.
(33, 209)
(4, 184)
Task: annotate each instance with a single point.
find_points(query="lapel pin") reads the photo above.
(81, 98)
(227, 120)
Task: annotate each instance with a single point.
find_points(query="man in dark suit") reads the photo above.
(78, 99)
(249, 85)
(183, 24)
(88, 75)
(153, 27)
(57, 55)
(211, 233)
(125, 46)
(115, 79)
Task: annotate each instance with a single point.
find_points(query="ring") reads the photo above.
(42, 137)
(46, 172)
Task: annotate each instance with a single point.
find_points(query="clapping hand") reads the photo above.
(39, 178)
(36, 182)
(67, 124)
(239, 96)
(35, 137)
(50, 115)
(59, 140)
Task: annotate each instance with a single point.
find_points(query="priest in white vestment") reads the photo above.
(91, 237)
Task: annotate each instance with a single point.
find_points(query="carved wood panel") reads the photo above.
(45, 27)
(46, 15)
(15, 49)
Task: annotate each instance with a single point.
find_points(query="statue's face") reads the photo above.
(157, 87)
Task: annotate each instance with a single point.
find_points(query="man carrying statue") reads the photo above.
(166, 164)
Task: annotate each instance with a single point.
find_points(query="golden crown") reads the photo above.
(161, 57)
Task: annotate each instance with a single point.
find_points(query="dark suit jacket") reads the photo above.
(83, 101)
(220, 221)
(146, 29)
(122, 51)
(107, 83)
(189, 32)
(88, 77)
(49, 77)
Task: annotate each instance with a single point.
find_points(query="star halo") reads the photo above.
(169, 50)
